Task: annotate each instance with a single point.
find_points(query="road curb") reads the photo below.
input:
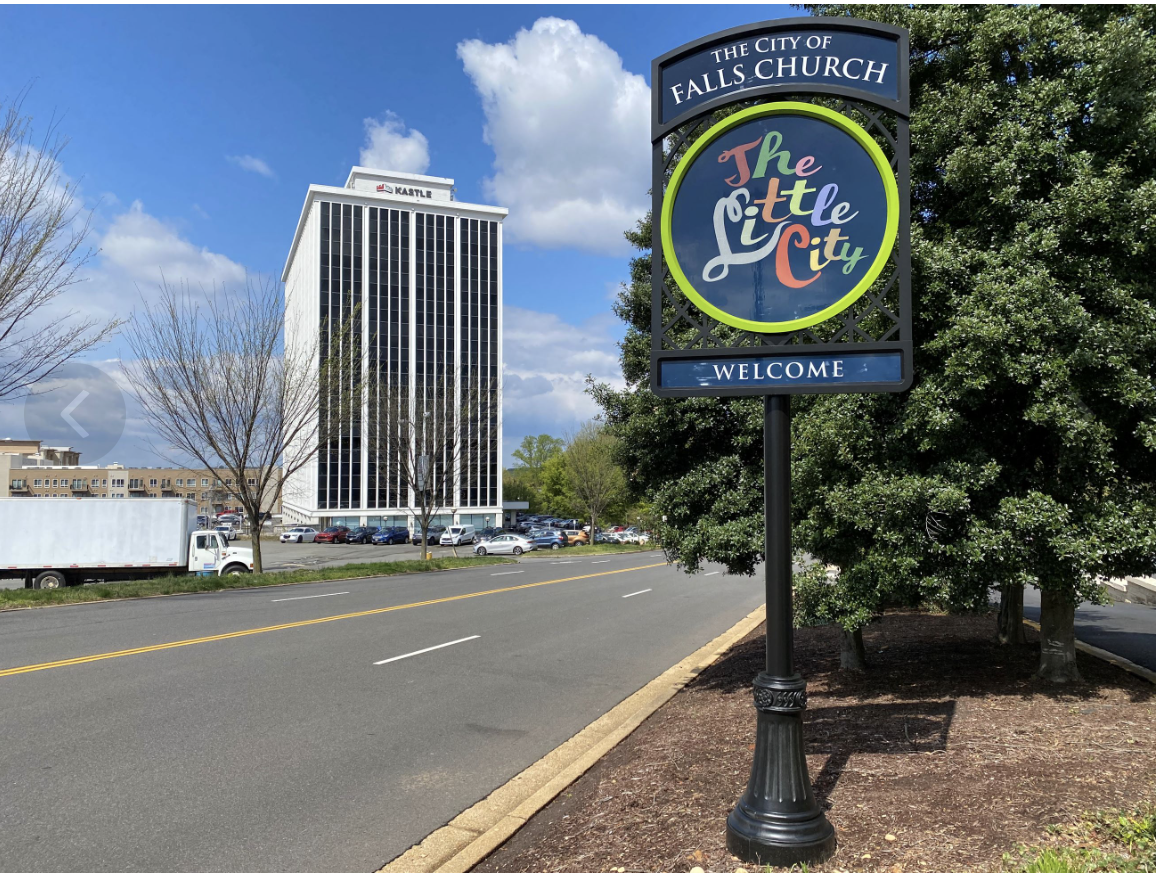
(479, 830)
(1120, 662)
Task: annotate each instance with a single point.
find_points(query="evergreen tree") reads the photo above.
(1024, 453)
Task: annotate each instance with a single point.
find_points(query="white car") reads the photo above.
(507, 543)
(227, 530)
(299, 534)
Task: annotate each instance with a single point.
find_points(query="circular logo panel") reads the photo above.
(779, 217)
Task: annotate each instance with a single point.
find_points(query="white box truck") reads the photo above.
(62, 542)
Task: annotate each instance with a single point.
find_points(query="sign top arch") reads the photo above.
(843, 57)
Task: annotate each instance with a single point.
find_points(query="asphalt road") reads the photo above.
(1121, 628)
(318, 727)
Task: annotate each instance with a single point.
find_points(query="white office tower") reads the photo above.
(425, 272)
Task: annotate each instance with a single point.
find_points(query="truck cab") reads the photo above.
(210, 554)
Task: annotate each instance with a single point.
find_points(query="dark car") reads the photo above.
(361, 535)
(391, 535)
(333, 535)
(490, 532)
(549, 539)
(433, 534)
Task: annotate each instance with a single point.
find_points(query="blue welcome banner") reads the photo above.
(779, 370)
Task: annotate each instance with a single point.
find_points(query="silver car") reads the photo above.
(299, 534)
(507, 543)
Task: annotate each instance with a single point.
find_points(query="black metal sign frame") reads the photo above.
(777, 820)
(880, 321)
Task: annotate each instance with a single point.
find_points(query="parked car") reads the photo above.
(490, 532)
(227, 530)
(458, 534)
(298, 535)
(391, 535)
(549, 539)
(433, 534)
(507, 543)
(361, 535)
(332, 535)
(576, 536)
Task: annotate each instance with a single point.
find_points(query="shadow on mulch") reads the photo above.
(949, 745)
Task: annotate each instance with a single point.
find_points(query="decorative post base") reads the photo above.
(778, 821)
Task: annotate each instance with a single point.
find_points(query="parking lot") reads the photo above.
(277, 556)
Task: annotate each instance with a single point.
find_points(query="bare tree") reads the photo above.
(430, 441)
(596, 479)
(41, 250)
(214, 378)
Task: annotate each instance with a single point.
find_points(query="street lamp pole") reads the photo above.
(778, 821)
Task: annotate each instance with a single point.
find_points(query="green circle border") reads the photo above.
(796, 108)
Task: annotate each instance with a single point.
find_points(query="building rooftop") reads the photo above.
(406, 190)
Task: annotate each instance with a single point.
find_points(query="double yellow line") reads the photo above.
(92, 658)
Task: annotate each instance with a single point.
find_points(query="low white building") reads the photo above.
(426, 271)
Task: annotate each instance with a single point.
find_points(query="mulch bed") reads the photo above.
(948, 744)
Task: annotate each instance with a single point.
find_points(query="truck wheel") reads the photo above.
(50, 580)
(235, 570)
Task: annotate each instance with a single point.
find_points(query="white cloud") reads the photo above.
(570, 131)
(389, 146)
(141, 247)
(547, 361)
(253, 165)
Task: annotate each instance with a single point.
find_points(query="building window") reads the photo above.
(180, 482)
(55, 482)
(36, 483)
(229, 482)
(204, 482)
(252, 482)
(152, 482)
(118, 482)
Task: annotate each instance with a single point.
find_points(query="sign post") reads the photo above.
(780, 266)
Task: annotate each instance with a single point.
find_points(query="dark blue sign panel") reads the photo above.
(773, 372)
(807, 56)
(779, 217)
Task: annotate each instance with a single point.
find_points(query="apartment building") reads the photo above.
(28, 469)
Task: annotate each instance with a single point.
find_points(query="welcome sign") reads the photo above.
(779, 217)
(786, 220)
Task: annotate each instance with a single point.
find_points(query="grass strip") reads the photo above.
(171, 585)
(1112, 841)
(585, 549)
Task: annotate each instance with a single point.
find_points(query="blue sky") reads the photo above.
(194, 132)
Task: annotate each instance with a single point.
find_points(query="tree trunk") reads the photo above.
(255, 543)
(1010, 629)
(852, 650)
(1058, 662)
